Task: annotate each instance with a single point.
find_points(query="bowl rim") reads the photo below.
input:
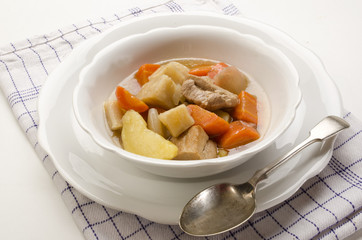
(245, 153)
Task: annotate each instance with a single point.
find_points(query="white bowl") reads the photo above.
(269, 66)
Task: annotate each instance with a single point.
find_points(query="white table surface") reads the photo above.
(30, 205)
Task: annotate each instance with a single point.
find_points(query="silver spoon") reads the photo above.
(222, 207)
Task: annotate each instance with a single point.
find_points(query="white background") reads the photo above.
(30, 205)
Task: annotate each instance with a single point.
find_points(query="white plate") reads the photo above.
(161, 199)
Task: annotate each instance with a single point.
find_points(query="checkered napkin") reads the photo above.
(327, 206)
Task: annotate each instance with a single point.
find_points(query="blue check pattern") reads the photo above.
(328, 206)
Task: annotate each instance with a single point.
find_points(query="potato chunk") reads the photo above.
(176, 71)
(177, 120)
(162, 92)
(194, 144)
(138, 139)
(114, 114)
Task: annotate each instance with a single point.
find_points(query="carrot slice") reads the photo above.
(246, 110)
(200, 71)
(209, 121)
(238, 134)
(129, 101)
(215, 69)
(144, 72)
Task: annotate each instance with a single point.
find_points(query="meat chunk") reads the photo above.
(210, 150)
(204, 93)
(194, 144)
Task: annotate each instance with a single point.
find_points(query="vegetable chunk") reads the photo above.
(162, 92)
(231, 79)
(114, 114)
(154, 123)
(144, 72)
(138, 139)
(200, 71)
(237, 135)
(246, 110)
(129, 101)
(177, 120)
(209, 121)
(224, 115)
(215, 69)
(176, 71)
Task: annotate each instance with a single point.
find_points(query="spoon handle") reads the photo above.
(326, 128)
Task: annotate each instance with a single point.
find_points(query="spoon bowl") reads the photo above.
(225, 206)
(231, 205)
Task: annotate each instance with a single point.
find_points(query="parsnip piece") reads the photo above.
(154, 123)
(114, 114)
(177, 120)
(138, 139)
(162, 92)
(176, 71)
